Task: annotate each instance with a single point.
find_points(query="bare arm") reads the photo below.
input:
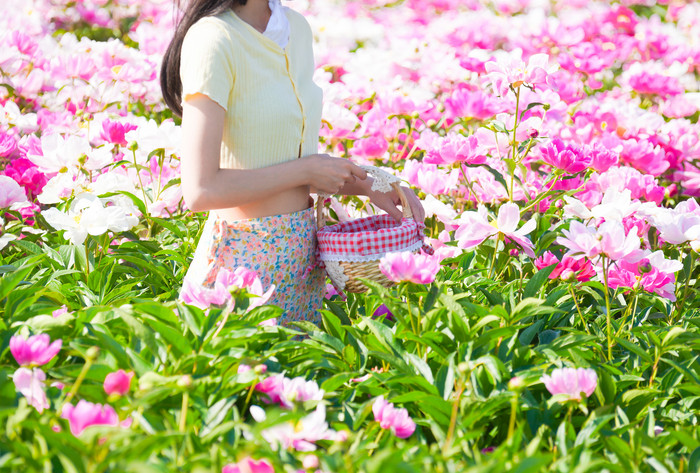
(205, 186)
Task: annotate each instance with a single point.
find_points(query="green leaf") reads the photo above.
(536, 282)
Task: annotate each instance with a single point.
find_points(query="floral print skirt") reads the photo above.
(280, 248)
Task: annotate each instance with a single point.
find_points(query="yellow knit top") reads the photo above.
(273, 107)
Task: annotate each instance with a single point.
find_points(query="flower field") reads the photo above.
(556, 148)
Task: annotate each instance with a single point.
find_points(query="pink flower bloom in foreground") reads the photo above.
(390, 417)
(10, 192)
(406, 266)
(248, 465)
(118, 382)
(475, 228)
(571, 381)
(36, 350)
(85, 414)
(30, 383)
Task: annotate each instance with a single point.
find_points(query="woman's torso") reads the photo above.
(274, 111)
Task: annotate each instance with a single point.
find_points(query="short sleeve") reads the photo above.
(206, 62)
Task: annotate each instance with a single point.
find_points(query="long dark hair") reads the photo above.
(170, 84)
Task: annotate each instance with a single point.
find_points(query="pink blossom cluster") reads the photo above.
(392, 418)
(225, 282)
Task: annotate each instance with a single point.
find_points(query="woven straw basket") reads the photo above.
(352, 250)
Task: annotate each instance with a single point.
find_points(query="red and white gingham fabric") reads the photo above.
(369, 238)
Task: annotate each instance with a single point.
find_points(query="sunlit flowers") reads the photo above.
(90, 215)
(514, 72)
(475, 227)
(571, 382)
(406, 266)
(392, 418)
(301, 435)
(37, 350)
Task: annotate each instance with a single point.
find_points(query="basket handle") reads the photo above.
(383, 182)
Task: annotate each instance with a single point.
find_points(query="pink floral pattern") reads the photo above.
(281, 249)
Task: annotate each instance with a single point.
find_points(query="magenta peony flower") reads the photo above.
(248, 465)
(118, 382)
(36, 350)
(390, 417)
(86, 414)
(406, 266)
(571, 381)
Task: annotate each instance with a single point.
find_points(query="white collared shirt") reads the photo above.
(278, 26)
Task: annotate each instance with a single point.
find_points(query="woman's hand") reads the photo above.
(388, 202)
(328, 175)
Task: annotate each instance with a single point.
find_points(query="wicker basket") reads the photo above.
(352, 250)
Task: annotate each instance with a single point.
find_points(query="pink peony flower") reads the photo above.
(390, 417)
(406, 266)
(115, 132)
(37, 350)
(248, 465)
(86, 414)
(10, 192)
(474, 228)
(572, 382)
(569, 158)
(30, 383)
(301, 435)
(118, 382)
(513, 72)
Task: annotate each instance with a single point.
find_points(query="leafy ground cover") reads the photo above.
(556, 328)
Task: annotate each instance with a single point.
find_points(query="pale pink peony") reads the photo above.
(406, 266)
(514, 72)
(286, 391)
(390, 417)
(301, 435)
(118, 382)
(474, 228)
(86, 414)
(248, 465)
(572, 382)
(10, 192)
(36, 350)
(30, 383)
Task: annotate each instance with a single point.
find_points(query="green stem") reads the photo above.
(453, 418)
(79, 380)
(495, 254)
(182, 424)
(87, 259)
(514, 143)
(578, 309)
(376, 442)
(513, 411)
(607, 308)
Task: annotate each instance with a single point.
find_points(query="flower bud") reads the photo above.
(92, 353)
(185, 381)
(310, 461)
(516, 383)
(645, 266)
